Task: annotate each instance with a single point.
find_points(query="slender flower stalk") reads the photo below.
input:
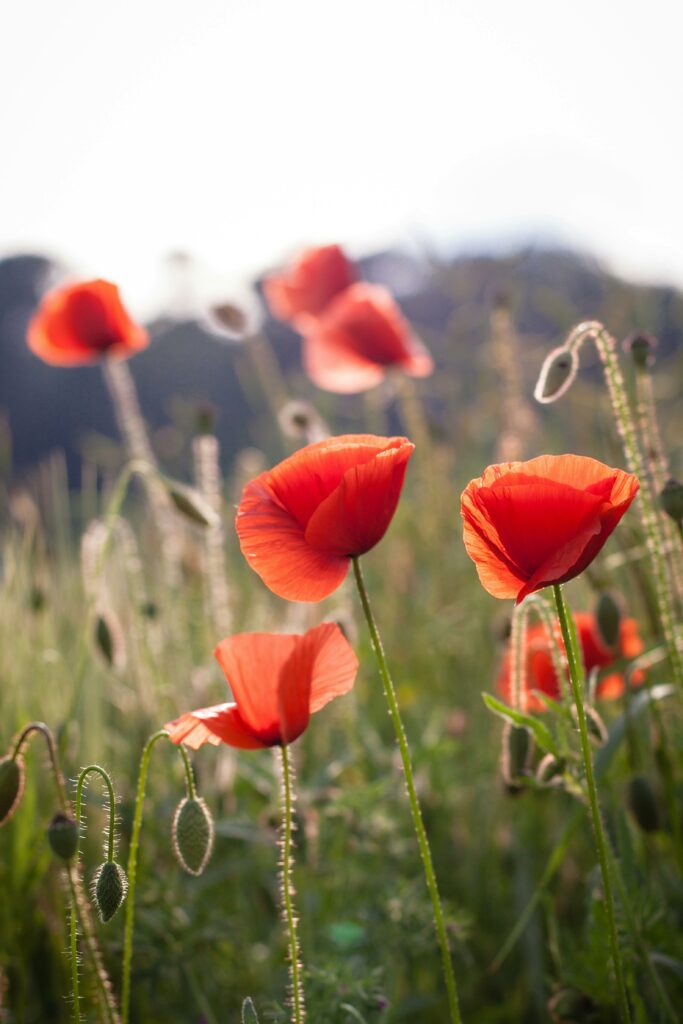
(286, 887)
(577, 685)
(423, 842)
(206, 457)
(606, 346)
(133, 859)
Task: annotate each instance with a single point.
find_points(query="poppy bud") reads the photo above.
(190, 503)
(62, 834)
(597, 729)
(205, 418)
(36, 598)
(109, 889)
(641, 348)
(249, 1014)
(570, 1005)
(641, 801)
(108, 637)
(557, 374)
(671, 500)
(516, 755)
(550, 770)
(608, 619)
(193, 835)
(11, 786)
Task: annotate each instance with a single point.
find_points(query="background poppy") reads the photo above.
(278, 681)
(308, 286)
(528, 525)
(300, 523)
(84, 323)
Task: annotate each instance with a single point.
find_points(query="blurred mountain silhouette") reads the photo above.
(186, 366)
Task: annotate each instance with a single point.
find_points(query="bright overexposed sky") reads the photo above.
(238, 130)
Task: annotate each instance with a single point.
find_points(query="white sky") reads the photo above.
(239, 130)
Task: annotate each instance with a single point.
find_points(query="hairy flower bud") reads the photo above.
(249, 1014)
(62, 834)
(191, 504)
(516, 753)
(193, 835)
(642, 802)
(109, 889)
(641, 347)
(671, 500)
(608, 619)
(550, 770)
(557, 374)
(12, 777)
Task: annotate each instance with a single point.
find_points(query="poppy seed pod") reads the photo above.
(557, 375)
(671, 500)
(12, 776)
(62, 834)
(193, 835)
(516, 753)
(641, 801)
(608, 619)
(109, 889)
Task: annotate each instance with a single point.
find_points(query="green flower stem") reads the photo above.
(287, 892)
(96, 769)
(422, 840)
(133, 859)
(575, 676)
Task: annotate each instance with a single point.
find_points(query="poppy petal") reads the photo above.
(332, 366)
(221, 723)
(309, 285)
(252, 663)
(357, 513)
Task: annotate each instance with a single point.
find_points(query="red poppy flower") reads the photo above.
(278, 681)
(360, 336)
(300, 523)
(309, 285)
(531, 524)
(83, 323)
(540, 673)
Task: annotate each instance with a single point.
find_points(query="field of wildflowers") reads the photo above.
(384, 726)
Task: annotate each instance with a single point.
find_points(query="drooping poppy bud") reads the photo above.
(642, 802)
(608, 619)
(193, 835)
(109, 889)
(62, 834)
(108, 638)
(550, 770)
(12, 778)
(190, 503)
(671, 500)
(557, 375)
(516, 753)
(249, 1014)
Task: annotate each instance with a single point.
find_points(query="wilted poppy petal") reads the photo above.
(357, 514)
(221, 723)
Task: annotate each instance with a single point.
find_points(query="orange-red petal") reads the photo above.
(221, 723)
(309, 285)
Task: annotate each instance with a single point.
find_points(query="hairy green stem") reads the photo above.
(577, 682)
(418, 823)
(96, 769)
(287, 890)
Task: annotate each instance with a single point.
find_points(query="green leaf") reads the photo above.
(249, 1014)
(539, 731)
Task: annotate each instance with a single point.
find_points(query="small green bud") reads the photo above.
(109, 889)
(550, 770)
(516, 753)
(642, 802)
(191, 504)
(104, 640)
(671, 500)
(557, 375)
(249, 1014)
(608, 619)
(641, 347)
(12, 777)
(62, 834)
(193, 835)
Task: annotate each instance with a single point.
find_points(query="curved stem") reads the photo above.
(287, 890)
(416, 812)
(133, 859)
(95, 768)
(575, 677)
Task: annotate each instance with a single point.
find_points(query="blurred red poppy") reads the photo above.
(300, 523)
(539, 670)
(360, 336)
(84, 323)
(309, 285)
(531, 524)
(278, 681)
